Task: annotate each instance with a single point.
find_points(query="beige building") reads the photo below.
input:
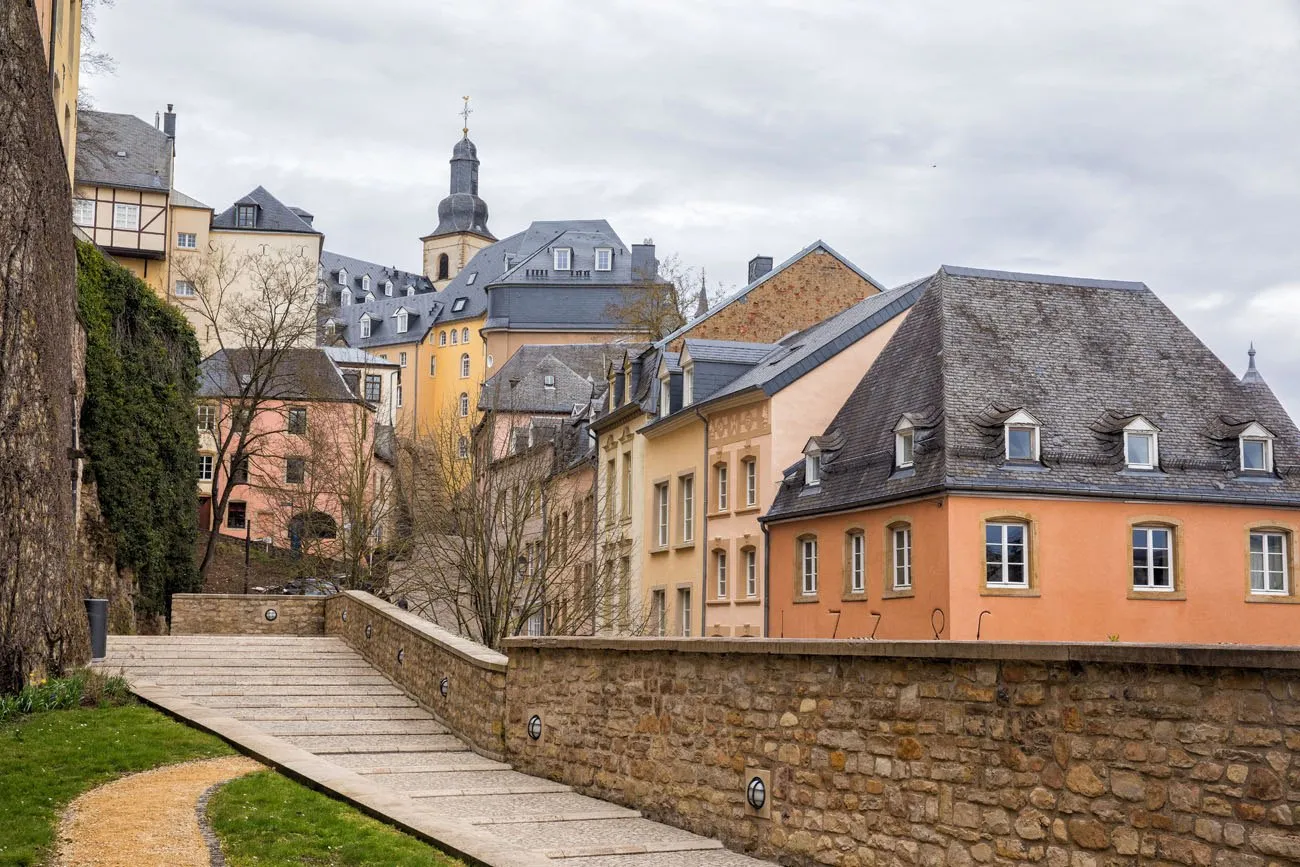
(59, 22)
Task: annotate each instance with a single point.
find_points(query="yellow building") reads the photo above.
(60, 27)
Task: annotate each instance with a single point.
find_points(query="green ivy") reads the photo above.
(138, 426)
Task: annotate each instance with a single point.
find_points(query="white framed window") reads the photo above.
(904, 445)
(462, 448)
(401, 359)
(857, 562)
(750, 556)
(403, 321)
(1141, 445)
(563, 258)
(901, 544)
(410, 291)
(661, 515)
(808, 565)
(365, 282)
(458, 305)
(463, 406)
(464, 365)
(548, 381)
(688, 385)
(658, 612)
(1153, 558)
(343, 276)
(665, 398)
(1021, 435)
(464, 335)
(388, 288)
(126, 217)
(720, 477)
(812, 468)
(684, 609)
(399, 394)
(365, 326)
(720, 572)
(687, 486)
(1268, 563)
(370, 296)
(345, 297)
(604, 258)
(184, 289)
(433, 365)
(205, 468)
(1006, 554)
(207, 416)
(1256, 449)
(455, 337)
(83, 212)
(442, 338)
(751, 482)
(187, 240)
(469, 281)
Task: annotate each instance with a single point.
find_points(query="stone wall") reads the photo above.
(219, 614)
(418, 655)
(930, 753)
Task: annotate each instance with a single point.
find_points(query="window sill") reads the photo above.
(1273, 599)
(724, 513)
(658, 550)
(715, 602)
(683, 546)
(1158, 595)
(986, 590)
(747, 510)
(1023, 467)
(806, 600)
(901, 593)
(854, 597)
(748, 600)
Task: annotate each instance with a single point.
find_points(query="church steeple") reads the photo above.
(462, 216)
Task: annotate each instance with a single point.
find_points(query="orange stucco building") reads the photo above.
(1040, 458)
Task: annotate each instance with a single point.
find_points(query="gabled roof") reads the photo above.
(120, 150)
(744, 291)
(422, 311)
(331, 263)
(578, 372)
(307, 374)
(272, 215)
(181, 200)
(1077, 355)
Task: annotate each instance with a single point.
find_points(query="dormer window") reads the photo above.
(469, 281)
(604, 258)
(370, 296)
(688, 385)
(343, 276)
(246, 216)
(322, 295)
(403, 319)
(1256, 449)
(458, 305)
(812, 467)
(410, 291)
(388, 288)
(365, 326)
(548, 381)
(345, 297)
(563, 258)
(1021, 431)
(365, 282)
(1141, 445)
(665, 397)
(904, 445)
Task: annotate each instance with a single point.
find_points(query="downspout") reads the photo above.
(767, 581)
(704, 530)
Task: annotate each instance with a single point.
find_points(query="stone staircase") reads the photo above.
(316, 708)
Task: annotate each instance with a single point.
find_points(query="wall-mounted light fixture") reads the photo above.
(535, 727)
(401, 655)
(370, 628)
(271, 614)
(444, 686)
(755, 793)
(344, 616)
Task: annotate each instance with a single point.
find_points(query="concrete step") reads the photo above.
(531, 807)
(308, 702)
(170, 680)
(602, 837)
(325, 692)
(689, 858)
(325, 714)
(497, 782)
(403, 763)
(326, 745)
(352, 728)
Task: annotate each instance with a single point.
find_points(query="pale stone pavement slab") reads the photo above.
(315, 708)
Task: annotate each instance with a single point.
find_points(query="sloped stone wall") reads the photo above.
(944, 754)
(42, 621)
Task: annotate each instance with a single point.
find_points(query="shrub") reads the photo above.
(86, 688)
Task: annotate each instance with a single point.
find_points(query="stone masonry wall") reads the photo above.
(417, 655)
(929, 753)
(214, 614)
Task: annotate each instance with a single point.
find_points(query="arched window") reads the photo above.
(464, 405)
(442, 338)
(444, 266)
(365, 282)
(455, 337)
(464, 365)
(462, 448)
(464, 335)
(388, 288)
(343, 276)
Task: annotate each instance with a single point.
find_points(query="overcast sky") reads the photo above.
(1153, 141)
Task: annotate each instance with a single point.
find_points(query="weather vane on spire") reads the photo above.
(465, 113)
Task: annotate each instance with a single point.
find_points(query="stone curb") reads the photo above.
(454, 838)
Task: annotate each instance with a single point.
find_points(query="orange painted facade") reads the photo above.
(1080, 584)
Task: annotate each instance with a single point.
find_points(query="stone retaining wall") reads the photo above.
(216, 614)
(930, 753)
(474, 706)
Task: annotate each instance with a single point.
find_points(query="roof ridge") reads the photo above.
(1045, 279)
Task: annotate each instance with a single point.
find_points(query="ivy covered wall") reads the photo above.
(138, 427)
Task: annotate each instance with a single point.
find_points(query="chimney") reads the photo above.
(169, 122)
(758, 266)
(644, 264)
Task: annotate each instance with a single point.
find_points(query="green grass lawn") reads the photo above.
(47, 759)
(268, 820)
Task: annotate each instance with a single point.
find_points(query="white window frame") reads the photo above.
(403, 321)
(464, 335)
(464, 365)
(562, 258)
(659, 611)
(608, 254)
(1256, 433)
(365, 283)
(458, 305)
(750, 556)
(343, 276)
(79, 206)
(857, 562)
(388, 288)
(410, 291)
(182, 237)
(370, 296)
(469, 281)
(365, 326)
(463, 407)
(442, 338)
(462, 447)
(1266, 573)
(684, 602)
(723, 483)
(126, 217)
(401, 359)
(548, 381)
(345, 298)
(1022, 420)
(900, 545)
(1149, 585)
(206, 466)
(751, 481)
(1140, 428)
(662, 521)
(720, 573)
(688, 385)
(904, 445)
(399, 394)
(1004, 546)
(686, 488)
(812, 468)
(455, 337)
(808, 566)
(206, 417)
(184, 289)
(433, 365)
(665, 396)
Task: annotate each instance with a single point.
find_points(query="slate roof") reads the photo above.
(578, 370)
(740, 294)
(181, 200)
(1082, 357)
(120, 150)
(331, 263)
(422, 312)
(272, 215)
(306, 373)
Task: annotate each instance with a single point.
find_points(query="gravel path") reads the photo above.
(145, 820)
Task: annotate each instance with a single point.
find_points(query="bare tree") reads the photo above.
(92, 62)
(257, 309)
(502, 544)
(657, 306)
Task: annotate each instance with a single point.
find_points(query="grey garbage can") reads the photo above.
(97, 611)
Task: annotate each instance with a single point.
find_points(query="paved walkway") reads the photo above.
(316, 709)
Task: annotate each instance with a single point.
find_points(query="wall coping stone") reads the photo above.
(255, 597)
(471, 652)
(1204, 655)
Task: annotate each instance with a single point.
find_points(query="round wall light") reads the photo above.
(369, 630)
(444, 686)
(756, 793)
(401, 655)
(344, 616)
(535, 727)
(271, 614)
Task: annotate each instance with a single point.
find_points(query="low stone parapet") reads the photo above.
(236, 614)
(462, 683)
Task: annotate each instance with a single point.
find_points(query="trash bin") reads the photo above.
(97, 611)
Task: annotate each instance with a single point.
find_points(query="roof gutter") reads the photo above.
(704, 528)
